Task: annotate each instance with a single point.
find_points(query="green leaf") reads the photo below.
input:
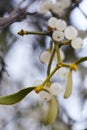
(52, 111)
(16, 97)
(68, 90)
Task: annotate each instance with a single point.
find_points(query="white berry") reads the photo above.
(58, 35)
(61, 24)
(57, 8)
(45, 56)
(45, 95)
(45, 6)
(62, 73)
(65, 3)
(52, 22)
(70, 32)
(56, 88)
(77, 43)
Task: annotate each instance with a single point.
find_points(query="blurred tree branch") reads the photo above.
(17, 15)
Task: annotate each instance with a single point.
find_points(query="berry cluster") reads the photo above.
(63, 32)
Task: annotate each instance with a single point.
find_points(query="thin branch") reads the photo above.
(17, 15)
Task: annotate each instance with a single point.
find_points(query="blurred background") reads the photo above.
(21, 56)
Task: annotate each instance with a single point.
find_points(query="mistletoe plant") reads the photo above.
(61, 35)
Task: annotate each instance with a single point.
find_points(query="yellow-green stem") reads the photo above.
(22, 32)
(80, 60)
(41, 87)
(73, 66)
(50, 62)
(58, 52)
(66, 65)
(51, 74)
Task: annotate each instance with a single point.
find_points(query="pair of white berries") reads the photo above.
(57, 7)
(54, 89)
(46, 55)
(62, 32)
